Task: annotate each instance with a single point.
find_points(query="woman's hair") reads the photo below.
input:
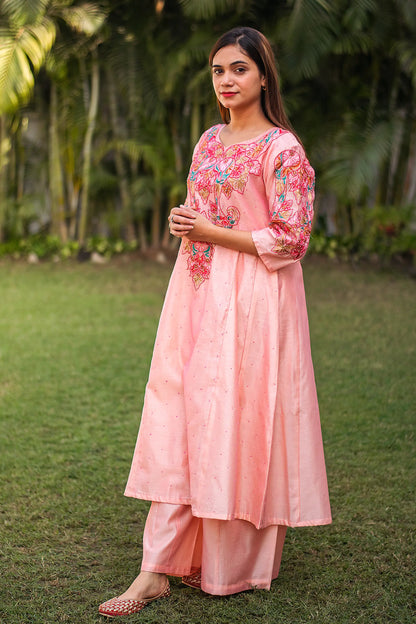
(255, 45)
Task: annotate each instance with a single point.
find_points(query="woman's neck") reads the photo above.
(247, 122)
(244, 128)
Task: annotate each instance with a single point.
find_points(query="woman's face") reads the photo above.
(236, 78)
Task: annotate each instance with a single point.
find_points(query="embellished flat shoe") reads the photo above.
(193, 580)
(116, 607)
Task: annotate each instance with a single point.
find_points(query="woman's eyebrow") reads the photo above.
(233, 63)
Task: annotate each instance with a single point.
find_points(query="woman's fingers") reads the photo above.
(181, 221)
(184, 211)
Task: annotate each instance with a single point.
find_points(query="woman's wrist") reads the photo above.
(238, 240)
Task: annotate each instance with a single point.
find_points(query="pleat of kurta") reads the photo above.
(230, 423)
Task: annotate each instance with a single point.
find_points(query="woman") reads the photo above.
(229, 448)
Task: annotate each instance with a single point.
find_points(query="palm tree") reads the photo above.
(27, 34)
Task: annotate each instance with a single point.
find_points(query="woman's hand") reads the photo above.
(188, 223)
(185, 221)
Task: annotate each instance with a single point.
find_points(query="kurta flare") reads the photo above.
(230, 423)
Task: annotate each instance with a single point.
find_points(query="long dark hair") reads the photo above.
(256, 46)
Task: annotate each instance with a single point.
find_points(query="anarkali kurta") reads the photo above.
(230, 423)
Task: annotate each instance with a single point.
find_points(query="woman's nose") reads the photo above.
(227, 78)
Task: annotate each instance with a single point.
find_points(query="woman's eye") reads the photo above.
(240, 70)
(217, 71)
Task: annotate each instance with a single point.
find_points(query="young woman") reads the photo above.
(229, 449)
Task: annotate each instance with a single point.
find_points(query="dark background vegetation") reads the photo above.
(101, 103)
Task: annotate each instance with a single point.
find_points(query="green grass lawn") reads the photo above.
(75, 347)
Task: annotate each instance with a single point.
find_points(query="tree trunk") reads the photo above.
(174, 123)
(142, 236)
(409, 179)
(86, 152)
(119, 162)
(373, 93)
(156, 219)
(195, 120)
(4, 148)
(410, 182)
(403, 157)
(166, 236)
(134, 102)
(56, 183)
(20, 164)
(387, 177)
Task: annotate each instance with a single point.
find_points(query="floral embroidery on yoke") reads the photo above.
(200, 254)
(199, 262)
(216, 171)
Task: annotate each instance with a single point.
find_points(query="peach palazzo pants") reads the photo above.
(232, 554)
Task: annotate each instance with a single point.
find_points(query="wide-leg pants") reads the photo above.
(232, 554)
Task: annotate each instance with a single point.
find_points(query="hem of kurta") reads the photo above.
(223, 516)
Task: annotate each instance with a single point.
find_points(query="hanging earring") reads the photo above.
(263, 88)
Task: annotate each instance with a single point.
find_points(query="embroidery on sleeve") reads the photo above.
(293, 204)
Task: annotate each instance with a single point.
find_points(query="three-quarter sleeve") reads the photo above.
(289, 182)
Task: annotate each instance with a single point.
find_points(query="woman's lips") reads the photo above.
(227, 94)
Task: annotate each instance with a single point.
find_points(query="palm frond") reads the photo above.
(407, 8)
(308, 33)
(353, 43)
(134, 150)
(22, 12)
(406, 54)
(356, 16)
(84, 18)
(207, 9)
(21, 53)
(356, 159)
(36, 41)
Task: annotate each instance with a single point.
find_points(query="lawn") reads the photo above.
(75, 347)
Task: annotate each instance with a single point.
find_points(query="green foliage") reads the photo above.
(344, 247)
(107, 247)
(19, 214)
(24, 45)
(391, 232)
(348, 74)
(387, 233)
(357, 156)
(51, 247)
(209, 9)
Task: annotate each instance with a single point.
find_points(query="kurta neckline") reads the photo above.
(247, 141)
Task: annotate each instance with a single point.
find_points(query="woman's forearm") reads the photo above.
(188, 223)
(239, 240)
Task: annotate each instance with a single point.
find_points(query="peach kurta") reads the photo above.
(230, 423)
